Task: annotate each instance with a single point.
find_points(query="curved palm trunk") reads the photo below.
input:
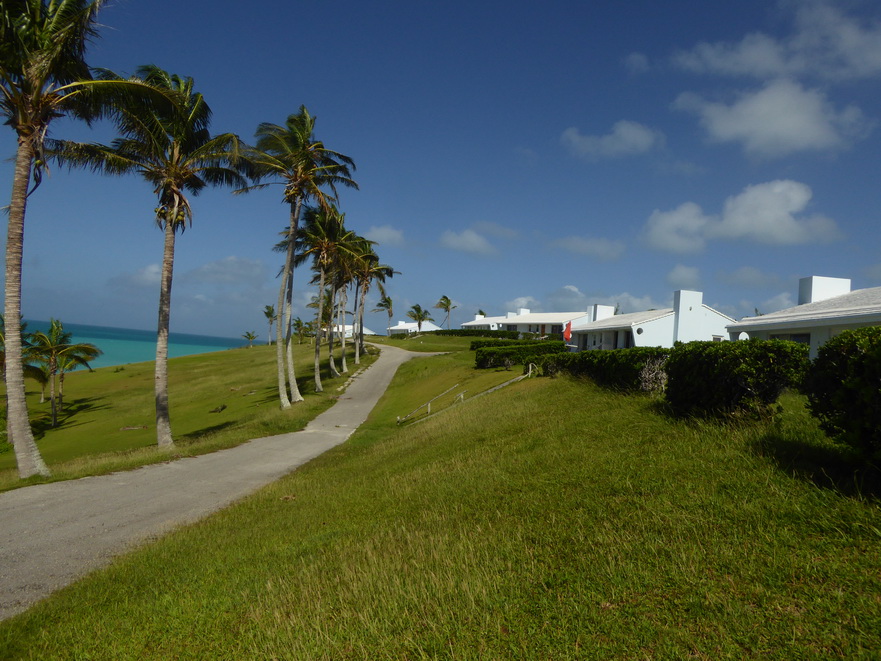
(331, 362)
(163, 419)
(288, 342)
(53, 402)
(18, 426)
(344, 299)
(318, 387)
(359, 347)
(279, 335)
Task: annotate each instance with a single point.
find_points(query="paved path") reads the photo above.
(53, 534)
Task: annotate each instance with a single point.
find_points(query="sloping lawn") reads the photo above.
(549, 520)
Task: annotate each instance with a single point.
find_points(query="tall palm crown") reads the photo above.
(290, 155)
(446, 305)
(171, 148)
(420, 315)
(43, 75)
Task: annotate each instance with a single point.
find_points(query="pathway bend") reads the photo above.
(53, 534)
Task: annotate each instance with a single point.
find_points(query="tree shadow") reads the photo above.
(67, 416)
(829, 466)
(194, 436)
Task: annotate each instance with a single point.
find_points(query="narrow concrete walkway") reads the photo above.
(53, 534)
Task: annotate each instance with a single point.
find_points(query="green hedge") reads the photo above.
(637, 368)
(517, 354)
(496, 342)
(843, 386)
(723, 378)
(473, 332)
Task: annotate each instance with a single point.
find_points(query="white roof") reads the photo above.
(413, 326)
(852, 307)
(485, 321)
(558, 318)
(623, 320)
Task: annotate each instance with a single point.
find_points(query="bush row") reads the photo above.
(473, 332)
(843, 386)
(497, 342)
(639, 368)
(516, 355)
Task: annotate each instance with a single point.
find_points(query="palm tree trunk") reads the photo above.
(279, 335)
(318, 387)
(52, 401)
(331, 363)
(355, 341)
(344, 298)
(163, 420)
(288, 341)
(18, 426)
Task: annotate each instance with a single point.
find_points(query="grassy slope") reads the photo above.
(108, 422)
(550, 520)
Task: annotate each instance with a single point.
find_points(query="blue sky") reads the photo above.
(509, 154)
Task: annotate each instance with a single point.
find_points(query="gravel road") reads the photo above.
(53, 534)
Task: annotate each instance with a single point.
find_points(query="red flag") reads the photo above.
(567, 333)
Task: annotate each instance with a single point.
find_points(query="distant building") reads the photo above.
(348, 329)
(826, 307)
(540, 323)
(410, 327)
(688, 320)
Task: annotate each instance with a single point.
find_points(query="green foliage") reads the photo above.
(475, 332)
(516, 355)
(638, 368)
(844, 389)
(725, 378)
(499, 342)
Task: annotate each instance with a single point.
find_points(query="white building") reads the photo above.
(540, 323)
(348, 329)
(826, 306)
(410, 327)
(688, 320)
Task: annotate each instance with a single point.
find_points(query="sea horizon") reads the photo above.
(123, 346)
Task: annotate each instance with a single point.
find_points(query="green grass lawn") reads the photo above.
(548, 520)
(217, 400)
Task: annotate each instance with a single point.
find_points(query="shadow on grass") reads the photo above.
(194, 436)
(67, 415)
(827, 466)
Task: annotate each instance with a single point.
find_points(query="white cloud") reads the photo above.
(494, 229)
(626, 139)
(567, 299)
(626, 302)
(779, 302)
(527, 302)
(636, 63)
(769, 213)
(824, 43)
(147, 277)
(780, 119)
(385, 235)
(229, 271)
(680, 230)
(750, 277)
(684, 277)
(598, 248)
(467, 241)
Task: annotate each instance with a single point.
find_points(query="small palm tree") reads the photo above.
(172, 149)
(386, 304)
(419, 315)
(250, 336)
(55, 350)
(269, 313)
(446, 305)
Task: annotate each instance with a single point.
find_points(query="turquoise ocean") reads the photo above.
(125, 345)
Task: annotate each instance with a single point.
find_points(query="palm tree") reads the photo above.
(269, 313)
(43, 76)
(325, 238)
(367, 270)
(385, 303)
(294, 158)
(172, 149)
(446, 305)
(417, 314)
(250, 336)
(55, 350)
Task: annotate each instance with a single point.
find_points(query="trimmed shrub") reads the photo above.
(637, 368)
(496, 342)
(843, 386)
(515, 355)
(473, 332)
(725, 378)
